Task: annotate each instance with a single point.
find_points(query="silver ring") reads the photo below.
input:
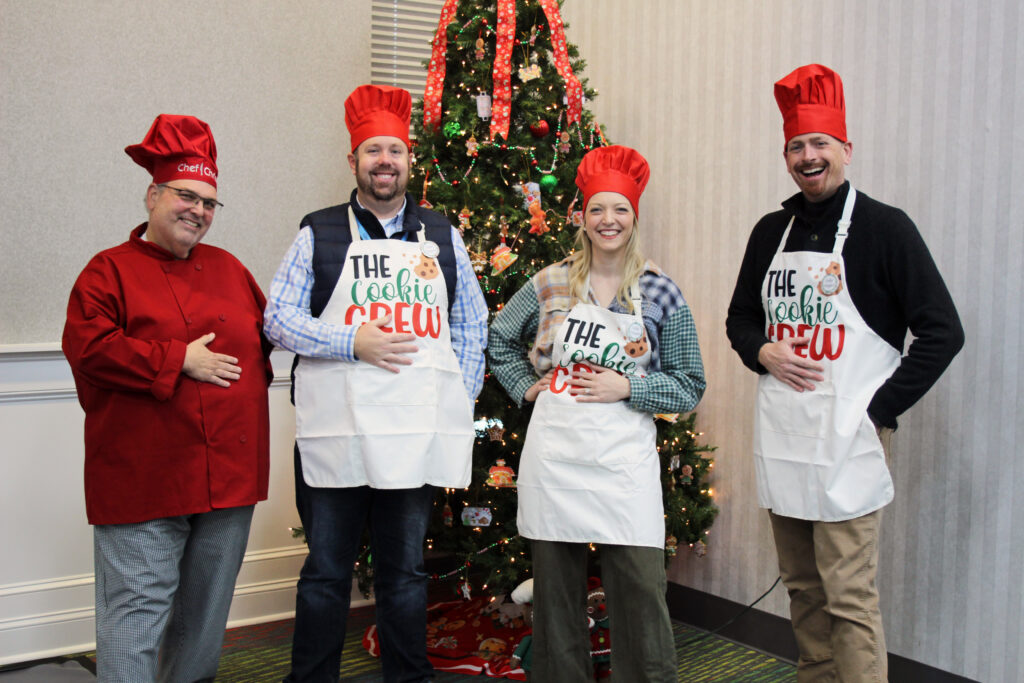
(587, 391)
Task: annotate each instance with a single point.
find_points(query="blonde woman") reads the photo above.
(599, 343)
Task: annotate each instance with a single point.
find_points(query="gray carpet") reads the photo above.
(52, 672)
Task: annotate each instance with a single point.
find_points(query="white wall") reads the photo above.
(935, 97)
(78, 82)
(81, 80)
(46, 576)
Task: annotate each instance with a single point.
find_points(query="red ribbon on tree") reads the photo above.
(573, 89)
(435, 74)
(501, 107)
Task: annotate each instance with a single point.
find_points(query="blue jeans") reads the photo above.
(333, 519)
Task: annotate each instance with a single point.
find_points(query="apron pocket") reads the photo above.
(372, 386)
(862, 482)
(594, 434)
(784, 410)
(318, 388)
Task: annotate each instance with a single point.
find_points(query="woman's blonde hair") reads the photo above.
(582, 258)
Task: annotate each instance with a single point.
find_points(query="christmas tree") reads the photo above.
(499, 134)
(685, 464)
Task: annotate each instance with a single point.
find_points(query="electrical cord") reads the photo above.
(734, 619)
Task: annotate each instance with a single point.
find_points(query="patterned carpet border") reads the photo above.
(260, 653)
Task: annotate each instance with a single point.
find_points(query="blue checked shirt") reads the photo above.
(289, 324)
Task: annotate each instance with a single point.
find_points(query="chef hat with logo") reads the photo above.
(177, 147)
(811, 101)
(373, 110)
(613, 169)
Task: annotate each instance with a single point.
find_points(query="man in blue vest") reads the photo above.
(378, 300)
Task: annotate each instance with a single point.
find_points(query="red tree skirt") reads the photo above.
(475, 637)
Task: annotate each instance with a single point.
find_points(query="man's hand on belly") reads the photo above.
(383, 349)
(785, 365)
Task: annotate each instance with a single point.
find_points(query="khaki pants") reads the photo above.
(643, 647)
(829, 570)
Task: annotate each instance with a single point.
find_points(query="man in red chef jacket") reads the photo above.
(164, 337)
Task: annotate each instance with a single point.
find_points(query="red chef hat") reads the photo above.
(613, 169)
(373, 110)
(177, 147)
(811, 101)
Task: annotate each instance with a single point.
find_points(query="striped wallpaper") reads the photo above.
(934, 89)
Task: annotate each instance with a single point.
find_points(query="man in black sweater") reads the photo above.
(827, 290)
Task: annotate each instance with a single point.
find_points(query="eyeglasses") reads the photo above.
(192, 198)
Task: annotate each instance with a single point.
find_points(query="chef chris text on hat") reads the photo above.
(177, 147)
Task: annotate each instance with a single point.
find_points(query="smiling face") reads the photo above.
(381, 167)
(609, 222)
(175, 224)
(817, 163)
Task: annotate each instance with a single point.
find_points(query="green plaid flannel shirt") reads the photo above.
(521, 336)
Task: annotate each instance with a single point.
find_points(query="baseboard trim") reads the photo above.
(10, 663)
(58, 618)
(773, 635)
(58, 583)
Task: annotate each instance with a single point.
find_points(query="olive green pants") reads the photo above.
(643, 648)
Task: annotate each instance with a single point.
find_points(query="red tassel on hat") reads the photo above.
(175, 147)
(613, 169)
(811, 101)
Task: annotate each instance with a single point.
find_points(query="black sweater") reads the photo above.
(890, 275)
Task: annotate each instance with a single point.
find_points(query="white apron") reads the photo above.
(817, 454)
(590, 471)
(357, 424)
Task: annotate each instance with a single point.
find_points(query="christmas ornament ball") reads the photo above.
(548, 182)
(540, 128)
(452, 129)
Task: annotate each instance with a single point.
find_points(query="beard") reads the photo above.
(381, 191)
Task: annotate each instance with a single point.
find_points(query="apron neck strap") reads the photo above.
(353, 225)
(843, 226)
(634, 296)
(785, 236)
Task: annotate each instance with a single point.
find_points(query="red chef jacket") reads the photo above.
(157, 442)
